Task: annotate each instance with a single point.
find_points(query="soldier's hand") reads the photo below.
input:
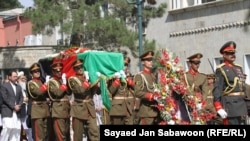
(222, 113)
(86, 74)
(64, 80)
(117, 75)
(47, 79)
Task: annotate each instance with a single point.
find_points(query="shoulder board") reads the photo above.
(220, 65)
(238, 65)
(203, 74)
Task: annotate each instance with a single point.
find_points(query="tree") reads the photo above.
(99, 22)
(9, 4)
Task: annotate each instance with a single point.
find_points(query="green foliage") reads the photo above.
(9, 4)
(84, 17)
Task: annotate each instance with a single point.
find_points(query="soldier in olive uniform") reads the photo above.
(210, 101)
(229, 88)
(39, 107)
(60, 106)
(82, 109)
(145, 90)
(122, 100)
(195, 80)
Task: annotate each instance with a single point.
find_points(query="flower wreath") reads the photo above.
(172, 79)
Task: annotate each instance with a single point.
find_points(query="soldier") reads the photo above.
(60, 106)
(82, 109)
(145, 90)
(210, 100)
(229, 88)
(37, 93)
(195, 80)
(121, 110)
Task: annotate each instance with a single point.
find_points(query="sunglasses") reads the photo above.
(195, 62)
(78, 67)
(148, 59)
(57, 70)
(35, 71)
(230, 53)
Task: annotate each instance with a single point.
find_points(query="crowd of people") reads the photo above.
(67, 108)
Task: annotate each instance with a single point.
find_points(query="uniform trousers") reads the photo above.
(147, 121)
(234, 121)
(79, 125)
(11, 128)
(61, 128)
(121, 120)
(39, 129)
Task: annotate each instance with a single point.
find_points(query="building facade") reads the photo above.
(191, 26)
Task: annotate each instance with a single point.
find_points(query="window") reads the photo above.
(177, 4)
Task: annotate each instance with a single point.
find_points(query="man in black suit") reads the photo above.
(12, 100)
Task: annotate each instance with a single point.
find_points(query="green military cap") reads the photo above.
(195, 56)
(147, 55)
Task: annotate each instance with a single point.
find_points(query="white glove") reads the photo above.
(199, 106)
(156, 98)
(47, 78)
(64, 81)
(98, 74)
(222, 113)
(117, 75)
(123, 75)
(86, 73)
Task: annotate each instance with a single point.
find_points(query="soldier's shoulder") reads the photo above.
(72, 77)
(203, 75)
(220, 65)
(238, 65)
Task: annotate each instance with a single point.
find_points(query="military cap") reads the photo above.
(211, 76)
(126, 60)
(195, 56)
(57, 64)
(34, 66)
(229, 46)
(146, 55)
(77, 62)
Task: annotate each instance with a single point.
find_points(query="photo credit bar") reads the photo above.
(201, 132)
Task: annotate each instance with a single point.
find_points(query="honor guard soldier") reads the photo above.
(216, 120)
(37, 93)
(121, 110)
(82, 109)
(60, 106)
(194, 79)
(145, 90)
(229, 88)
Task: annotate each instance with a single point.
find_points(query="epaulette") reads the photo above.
(220, 65)
(203, 74)
(139, 73)
(238, 65)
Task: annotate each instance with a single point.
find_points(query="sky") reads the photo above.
(26, 3)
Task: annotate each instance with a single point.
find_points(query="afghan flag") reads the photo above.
(101, 66)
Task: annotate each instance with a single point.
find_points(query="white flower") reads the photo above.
(171, 122)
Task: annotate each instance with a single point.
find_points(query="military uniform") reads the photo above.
(83, 108)
(229, 88)
(122, 101)
(37, 92)
(60, 106)
(145, 90)
(209, 98)
(194, 79)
